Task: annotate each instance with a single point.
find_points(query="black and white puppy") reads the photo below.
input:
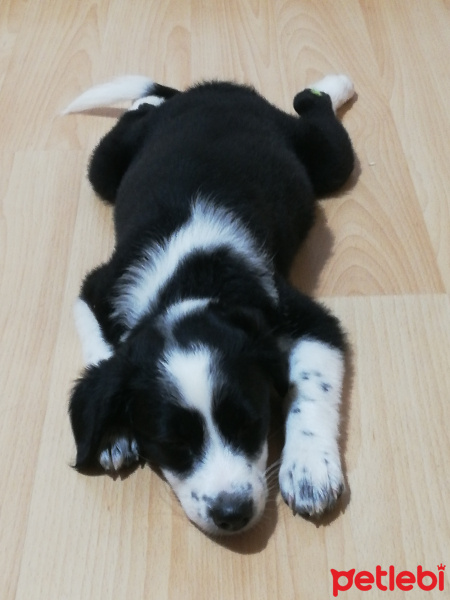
(191, 324)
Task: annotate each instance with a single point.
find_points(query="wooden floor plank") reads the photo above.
(409, 42)
(378, 257)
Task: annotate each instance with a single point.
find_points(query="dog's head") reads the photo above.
(193, 394)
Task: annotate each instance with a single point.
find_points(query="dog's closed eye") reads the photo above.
(241, 428)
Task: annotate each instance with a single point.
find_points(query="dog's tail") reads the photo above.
(128, 87)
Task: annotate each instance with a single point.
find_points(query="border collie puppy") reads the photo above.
(191, 325)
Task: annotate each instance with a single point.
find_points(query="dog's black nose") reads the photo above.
(231, 512)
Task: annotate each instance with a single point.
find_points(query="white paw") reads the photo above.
(118, 450)
(95, 348)
(311, 477)
(340, 88)
(311, 484)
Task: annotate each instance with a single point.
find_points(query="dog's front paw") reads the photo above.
(118, 450)
(310, 487)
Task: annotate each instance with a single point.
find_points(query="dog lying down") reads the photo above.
(191, 325)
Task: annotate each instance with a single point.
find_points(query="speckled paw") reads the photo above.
(311, 487)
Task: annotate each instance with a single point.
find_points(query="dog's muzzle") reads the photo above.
(231, 512)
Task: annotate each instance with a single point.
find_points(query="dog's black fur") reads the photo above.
(226, 144)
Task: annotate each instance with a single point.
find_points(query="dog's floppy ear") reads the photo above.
(97, 403)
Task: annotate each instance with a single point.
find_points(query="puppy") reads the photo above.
(191, 325)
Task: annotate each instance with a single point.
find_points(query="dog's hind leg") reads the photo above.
(116, 150)
(113, 155)
(339, 88)
(311, 478)
(320, 140)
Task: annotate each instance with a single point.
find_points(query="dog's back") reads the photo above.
(218, 140)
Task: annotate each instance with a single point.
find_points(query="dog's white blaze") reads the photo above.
(311, 449)
(340, 88)
(94, 346)
(191, 373)
(208, 228)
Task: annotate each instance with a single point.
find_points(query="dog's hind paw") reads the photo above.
(340, 88)
(118, 451)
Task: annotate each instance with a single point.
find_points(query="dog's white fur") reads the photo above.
(121, 89)
(153, 100)
(208, 228)
(178, 311)
(93, 344)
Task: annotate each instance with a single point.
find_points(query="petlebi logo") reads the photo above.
(388, 580)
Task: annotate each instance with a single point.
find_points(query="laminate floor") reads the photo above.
(379, 257)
